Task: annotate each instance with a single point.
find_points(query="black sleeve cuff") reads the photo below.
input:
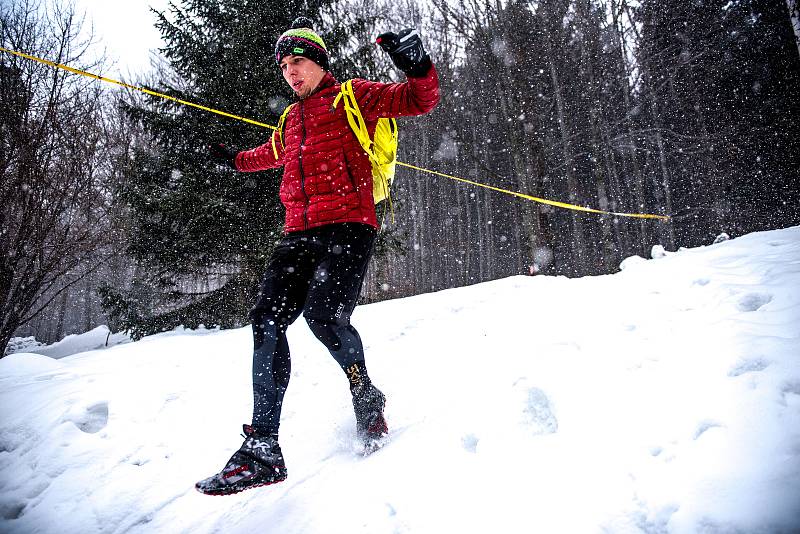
(421, 69)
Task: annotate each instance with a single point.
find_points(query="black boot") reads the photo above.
(368, 404)
(258, 462)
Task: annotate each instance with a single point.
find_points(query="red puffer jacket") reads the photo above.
(327, 176)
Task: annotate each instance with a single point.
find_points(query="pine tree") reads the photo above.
(200, 233)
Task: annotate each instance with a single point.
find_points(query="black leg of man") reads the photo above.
(318, 272)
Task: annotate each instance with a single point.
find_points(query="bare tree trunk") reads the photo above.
(588, 48)
(579, 259)
(488, 246)
(516, 145)
(468, 195)
(424, 242)
(668, 230)
(62, 312)
(712, 176)
(461, 248)
(631, 139)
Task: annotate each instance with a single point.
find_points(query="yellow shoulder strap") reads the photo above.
(356, 119)
(279, 130)
(354, 116)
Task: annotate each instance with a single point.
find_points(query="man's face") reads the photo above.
(302, 74)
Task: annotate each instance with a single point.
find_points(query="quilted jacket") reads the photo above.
(327, 176)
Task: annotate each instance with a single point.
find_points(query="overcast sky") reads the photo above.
(125, 29)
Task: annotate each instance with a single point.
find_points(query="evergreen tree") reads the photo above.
(200, 233)
(724, 77)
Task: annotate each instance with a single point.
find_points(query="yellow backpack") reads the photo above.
(382, 150)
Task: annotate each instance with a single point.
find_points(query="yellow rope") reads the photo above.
(536, 199)
(264, 125)
(141, 89)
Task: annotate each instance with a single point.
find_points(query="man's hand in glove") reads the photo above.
(406, 51)
(223, 155)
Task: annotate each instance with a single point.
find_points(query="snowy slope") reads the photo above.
(664, 398)
(96, 339)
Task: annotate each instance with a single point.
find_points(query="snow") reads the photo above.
(663, 398)
(95, 339)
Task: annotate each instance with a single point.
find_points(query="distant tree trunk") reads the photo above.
(61, 315)
(631, 142)
(668, 230)
(589, 48)
(462, 231)
(468, 260)
(422, 242)
(516, 145)
(88, 304)
(711, 175)
(488, 246)
(579, 259)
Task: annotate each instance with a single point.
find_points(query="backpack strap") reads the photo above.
(354, 116)
(279, 130)
(359, 127)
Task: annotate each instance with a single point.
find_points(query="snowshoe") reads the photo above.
(368, 404)
(258, 462)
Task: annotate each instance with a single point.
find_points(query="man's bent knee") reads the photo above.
(326, 330)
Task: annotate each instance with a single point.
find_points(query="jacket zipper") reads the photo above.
(347, 169)
(300, 162)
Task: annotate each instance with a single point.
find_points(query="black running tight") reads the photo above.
(318, 273)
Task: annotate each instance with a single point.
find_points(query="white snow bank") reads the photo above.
(95, 339)
(27, 363)
(662, 399)
(22, 344)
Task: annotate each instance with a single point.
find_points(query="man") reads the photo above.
(318, 267)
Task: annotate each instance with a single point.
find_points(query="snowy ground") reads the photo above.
(664, 398)
(98, 338)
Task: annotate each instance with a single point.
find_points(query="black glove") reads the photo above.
(223, 155)
(406, 51)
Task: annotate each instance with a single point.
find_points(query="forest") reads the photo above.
(115, 213)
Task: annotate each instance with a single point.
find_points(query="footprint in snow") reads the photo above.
(790, 391)
(792, 387)
(753, 301)
(539, 412)
(470, 442)
(12, 510)
(751, 365)
(704, 427)
(92, 420)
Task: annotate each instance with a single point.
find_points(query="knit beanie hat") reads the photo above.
(301, 40)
